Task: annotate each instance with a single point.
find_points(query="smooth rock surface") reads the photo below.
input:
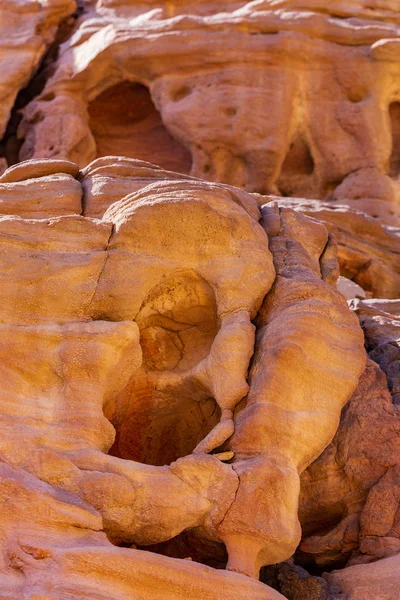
(363, 582)
(125, 345)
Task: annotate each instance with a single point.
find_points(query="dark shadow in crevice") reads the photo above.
(394, 160)
(11, 144)
(296, 176)
(125, 122)
(166, 411)
(296, 583)
(192, 545)
(308, 561)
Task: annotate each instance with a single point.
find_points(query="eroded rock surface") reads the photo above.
(125, 345)
(363, 582)
(348, 504)
(267, 95)
(26, 30)
(180, 378)
(368, 251)
(297, 584)
(380, 320)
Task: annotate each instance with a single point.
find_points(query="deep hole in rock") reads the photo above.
(195, 546)
(322, 522)
(394, 161)
(125, 122)
(295, 178)
(157, 423)
(357, 94)
(308, 561)
(161, 427)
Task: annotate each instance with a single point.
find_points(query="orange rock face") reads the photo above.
(26, 29)
(268, 95)
(124, 388)
(186, 396)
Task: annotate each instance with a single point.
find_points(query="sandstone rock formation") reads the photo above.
(380, 320)
(26, 30)
(186, 395)
(368, 252)
(362, 582)
(348, 505)
(143, 334)
(268, 95)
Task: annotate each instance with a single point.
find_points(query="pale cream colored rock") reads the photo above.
(350, 289)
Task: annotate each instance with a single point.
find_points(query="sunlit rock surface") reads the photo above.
(273, 96)
(125, 347)
(186, 395)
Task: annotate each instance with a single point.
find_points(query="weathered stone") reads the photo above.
(180, 376)
(380, 579)
(125, 345)
(26, 30)
(297, 584)
(225, 112)
(380, 320)
(342, 489)
(368, 252)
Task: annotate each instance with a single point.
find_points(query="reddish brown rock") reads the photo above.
(26, 30)
(342, 490)
(363, 582)
(133, 128)
(380, 320)
(176, 370)
(297, 584)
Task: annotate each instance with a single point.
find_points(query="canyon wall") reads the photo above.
(199, 327)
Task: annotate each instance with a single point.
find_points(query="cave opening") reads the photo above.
(125, 122)
(166, 412)
(296, 176)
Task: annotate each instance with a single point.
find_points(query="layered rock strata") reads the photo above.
(368, 251)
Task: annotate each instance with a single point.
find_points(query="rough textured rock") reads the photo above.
(296, 583)
(363, 582)
(26, 30)
(349, 495)
(324, 117)
(368, 252)
(380, 320)
(180, 372)
(125, 344)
